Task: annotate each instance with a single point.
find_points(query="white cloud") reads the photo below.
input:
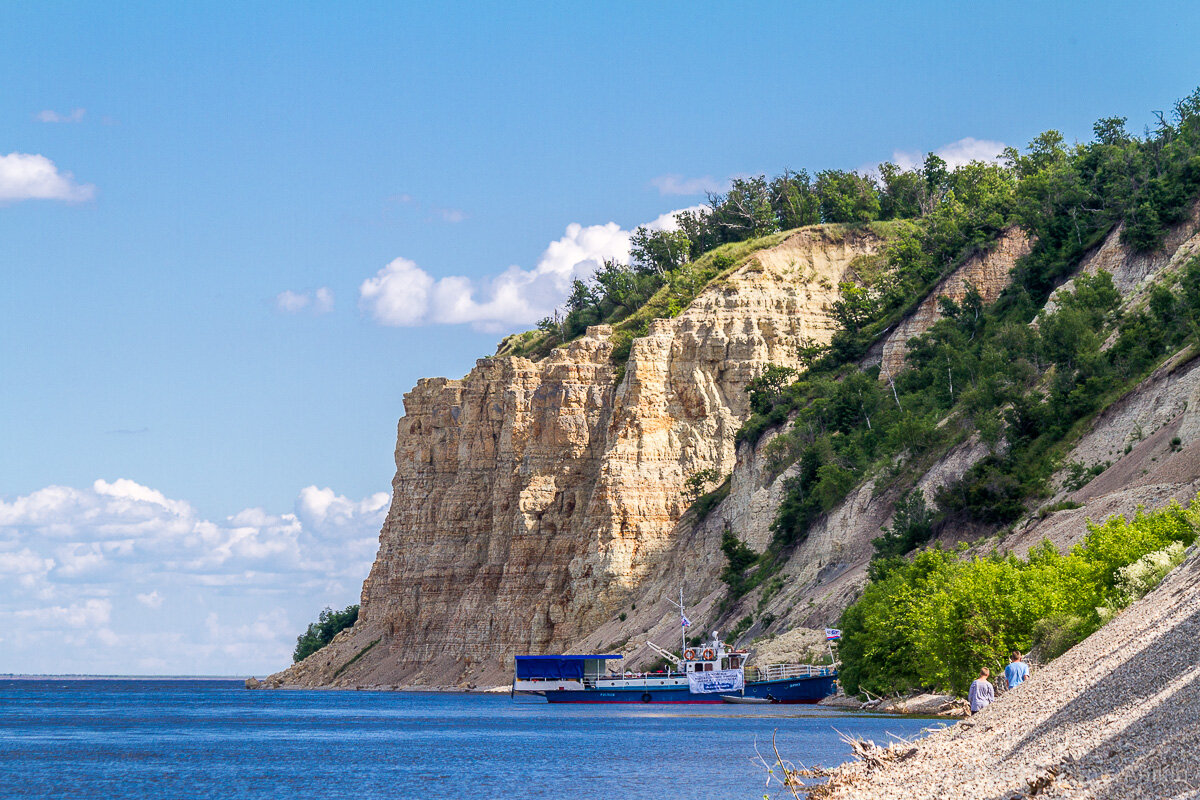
(292, 302)
(955, 154)
(679, 185)
(81, 570)
(85, 614)
(402, 294)
(24, 176)
(451, 214)
(75, 115)
(398, 295)
(323, 300)
(319, 302)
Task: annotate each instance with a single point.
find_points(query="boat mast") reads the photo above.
(682, 629)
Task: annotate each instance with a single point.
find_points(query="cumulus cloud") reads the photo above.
(117, 575)
(25, 176)
(955, 154)
(318, 302)
(75, 115)
(679, 185)
(403, 294)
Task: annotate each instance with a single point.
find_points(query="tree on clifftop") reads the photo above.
(320, 633)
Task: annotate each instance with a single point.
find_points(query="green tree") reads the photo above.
(321, 632)
(695, 484)
(744, 212)
(659, 251)
(793, 200)
(769, 384)
(912, 525)
(846, 196)
(901, 194)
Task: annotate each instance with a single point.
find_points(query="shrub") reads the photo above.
(934, 621)
(1135, 580)
(741, 558)
(321, 632)
(1058, 633)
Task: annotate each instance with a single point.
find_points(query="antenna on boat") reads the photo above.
(684, 622)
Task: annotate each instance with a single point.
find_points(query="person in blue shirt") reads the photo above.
(1017, 670)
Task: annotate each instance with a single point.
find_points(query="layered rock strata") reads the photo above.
(539, 507)
(534, 500)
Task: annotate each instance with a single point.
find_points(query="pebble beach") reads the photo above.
(1118, 716)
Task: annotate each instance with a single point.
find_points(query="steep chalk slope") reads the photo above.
(533, 500)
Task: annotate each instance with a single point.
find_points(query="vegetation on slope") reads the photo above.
(321, 632)
(1024, 390)
(932, 623)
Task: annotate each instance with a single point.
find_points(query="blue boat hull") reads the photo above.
(794, 690)
(788, 690)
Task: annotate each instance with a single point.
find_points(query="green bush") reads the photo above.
(738, 575)
(321, 632)
(933, 622)
(1058, 633)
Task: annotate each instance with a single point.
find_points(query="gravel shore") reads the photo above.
(1118, 716)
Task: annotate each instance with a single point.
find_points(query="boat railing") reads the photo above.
(778, 672)
(592, 682)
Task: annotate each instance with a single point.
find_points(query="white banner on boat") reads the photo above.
(721, 680)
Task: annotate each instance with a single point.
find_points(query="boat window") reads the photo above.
(708, 667)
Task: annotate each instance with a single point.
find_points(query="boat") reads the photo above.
(737, 698)
(711, 672)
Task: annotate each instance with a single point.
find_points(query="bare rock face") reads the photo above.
(538, 507)
(1134, 272)
(533, 500)
(990, 274)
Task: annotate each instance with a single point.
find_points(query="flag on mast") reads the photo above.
(832, 634)
(684, 621)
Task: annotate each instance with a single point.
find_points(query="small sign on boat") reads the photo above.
(720, 681)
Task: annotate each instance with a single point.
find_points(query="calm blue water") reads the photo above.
(212, 739)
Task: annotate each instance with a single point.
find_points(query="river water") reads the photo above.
(143, 739)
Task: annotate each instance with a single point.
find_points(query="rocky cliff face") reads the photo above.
(534, 500)
(538, 507)
(990, 273)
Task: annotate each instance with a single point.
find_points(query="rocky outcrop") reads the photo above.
(1134, 272)
(537, 506)
(990, 273)
(533, 501)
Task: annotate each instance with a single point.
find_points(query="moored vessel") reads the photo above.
(711, 672)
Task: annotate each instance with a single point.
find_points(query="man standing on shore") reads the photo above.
(1017, 670)
(982, 692)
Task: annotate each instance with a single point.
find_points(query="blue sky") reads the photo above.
(195, 199)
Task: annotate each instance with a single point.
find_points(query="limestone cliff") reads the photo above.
(534, 500)
(538, 507)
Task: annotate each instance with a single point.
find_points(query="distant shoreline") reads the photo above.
(81, 677)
